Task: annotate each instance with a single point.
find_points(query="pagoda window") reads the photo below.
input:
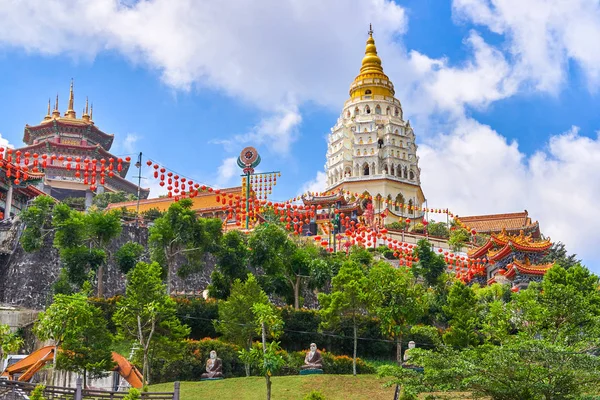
(399, 200)
(410, 203)
(365, 169)
(368, 91)
(398, 153)
(367, 110)
(399, 171)
(370, 140)
(396, 132)
(385, 168)
(377, 109)
(389, 201)
(358, 152)
(348, 114)
(356, 111)
(397, 112)
(405, 172)
(393, 142)
(360, 141)
(387, 111)
(412, 175)
(348, 171)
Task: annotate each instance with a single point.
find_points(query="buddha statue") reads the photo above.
(313, 358)
(214, 367)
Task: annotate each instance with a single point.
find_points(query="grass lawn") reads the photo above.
(333, 387)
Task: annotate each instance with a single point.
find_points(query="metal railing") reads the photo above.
(15, 390)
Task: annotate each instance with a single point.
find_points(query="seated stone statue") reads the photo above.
(406, 358)
(313, 358)
(214, 367)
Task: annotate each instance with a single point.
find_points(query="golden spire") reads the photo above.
(371, 61)
(85, 116)
(48, 116)
(56, 113)
(371, 80)
(70, 111)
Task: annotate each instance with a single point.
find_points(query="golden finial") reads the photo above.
(56, 113)
(92, 112)
(48, 116)
(70, 111)
(371, 61)
(370, 30)
(85, 116)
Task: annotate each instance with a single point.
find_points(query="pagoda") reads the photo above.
(75, 153)
(371, 148)
(513, 259)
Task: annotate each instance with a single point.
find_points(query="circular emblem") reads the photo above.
(249, 155)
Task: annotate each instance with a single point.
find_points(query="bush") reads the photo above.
(198, 314)
(332, 364)
(38, 393)
(192, 363)
(314, 395)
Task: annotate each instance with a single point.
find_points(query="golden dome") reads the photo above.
(371, 80)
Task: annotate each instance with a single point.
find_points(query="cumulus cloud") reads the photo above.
(277, 131)
(318, 184)
(475, 170)
(542, 36)
(227, 171)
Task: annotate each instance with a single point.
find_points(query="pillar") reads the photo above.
(9, 196)
(88, 199)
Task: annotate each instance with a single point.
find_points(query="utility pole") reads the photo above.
(138, 164)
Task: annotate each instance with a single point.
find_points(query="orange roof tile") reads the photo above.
(496, 222)
(204, 202)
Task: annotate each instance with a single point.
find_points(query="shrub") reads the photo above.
(38, 393)
(314, 395)
(192, 362)
(198, 314)
(133, 394)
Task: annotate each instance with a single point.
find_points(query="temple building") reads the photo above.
(512, 223)
(75, 149)
(371, 148)
(513, 259)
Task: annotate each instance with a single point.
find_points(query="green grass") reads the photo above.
(333, 387)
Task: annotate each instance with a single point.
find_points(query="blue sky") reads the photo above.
(503, 94)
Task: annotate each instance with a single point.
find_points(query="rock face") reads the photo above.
(26, 279)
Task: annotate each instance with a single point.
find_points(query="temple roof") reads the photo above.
(500, 245)
(495, 223)
(328, 199)
(204, 202)
(63, 125)
(526, 268)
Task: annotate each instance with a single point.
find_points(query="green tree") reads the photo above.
(69, 321)
(147, 314)
(82, 240)
(459, 237)
(558, 255)
(232, 264)
(361, 256)
(268, 360)
(128, 256)
(397, 300)
(235, 322)
(180, 233)
(88, 351)
(462, 312)
(438, 229)
(102, 200)
(281, 258)
(430, 266)
(564, 308)
(349, 300)
(10, 342)
(38, 223)
(38, 393)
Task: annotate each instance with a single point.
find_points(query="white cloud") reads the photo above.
(318, 184)
(473, 170)
(227, 171)
(542, 36)
(4, 143)
(277, 132)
